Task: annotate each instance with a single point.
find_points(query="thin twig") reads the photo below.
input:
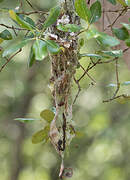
(109, 61)
(109, 21)
(117, 79)
(10, 27)
(8, 60)
(87, 73)
(14, 30)
(126, 50)
(120, 14)
(33, 12)
(113, 98)
(115, 11)
(88, 70)
(64, 131)
(30, 4)
(79, 89)
(88, 2)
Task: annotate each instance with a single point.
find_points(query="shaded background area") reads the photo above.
(102, 149)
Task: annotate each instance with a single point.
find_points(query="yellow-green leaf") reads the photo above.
(20, 21)
(122, 2)
(12, 15)
(41, 136)
(1, 40)
(47, 114)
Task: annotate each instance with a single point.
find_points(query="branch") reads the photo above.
(10, 27)
(120, 14)
(117, 80)
(8, 60)
(33, 12)
(85, 72)
(30, 4)
(111, 99)
(79, 89)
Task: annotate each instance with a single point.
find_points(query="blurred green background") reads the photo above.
(101, 152)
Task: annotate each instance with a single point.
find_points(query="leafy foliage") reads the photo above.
(6, 35)
(41, 136)
(121, 33)
(16, 47)
(47, 115)
(96, 11)
(40, 49)
(82, 10)
(53, 15)
(61, 36)
(69, 28)
(21, 22)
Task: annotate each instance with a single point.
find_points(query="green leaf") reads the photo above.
(14, 48)
(41, 136)
(69, 28)
(6, 35)
(30, 21)
(126, 83)
(107, 40)
(47, 115)
(112, 2)
(127, 2)
(53, 15)
(52, 46)
(31, 59)
(1, 1)
(81, 42)
(127, 41)
(40, 49)
(91, 55)
(92, 33)
(82, 10)
(26, 120)
(96, 11)
(121, 33)
(127, 26)
(62, 27)
(101, 37)
(20, 21)
(73, 27)
(114, 53)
